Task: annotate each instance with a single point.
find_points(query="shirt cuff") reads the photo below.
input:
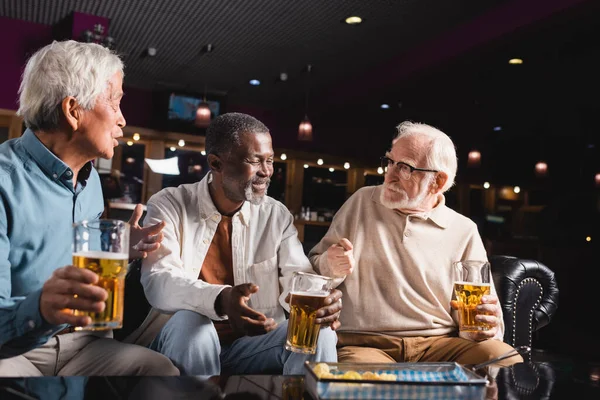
(29, 318)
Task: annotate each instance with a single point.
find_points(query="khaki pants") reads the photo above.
(86, 353)
(376, 348)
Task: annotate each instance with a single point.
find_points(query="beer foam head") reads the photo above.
(471, 283)
(106, 255)
(322, 293)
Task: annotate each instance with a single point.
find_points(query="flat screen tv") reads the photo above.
(182, 107)
(176, 111)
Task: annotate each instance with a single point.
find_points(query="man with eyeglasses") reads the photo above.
(391, 247)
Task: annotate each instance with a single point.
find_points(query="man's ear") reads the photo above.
(72, 112)
(438, 183)
(214, 162)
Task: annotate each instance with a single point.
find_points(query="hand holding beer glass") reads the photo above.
(102, 246)
(307, 295)
(472, 284)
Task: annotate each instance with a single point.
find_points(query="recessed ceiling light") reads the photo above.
(346, 165)
(181, 143)
(172, 148)
(320, 161)
(486, 185)
(283, 156)
(305, 165)
(129, 143)
(353, 20)
(385, 106)
(136, 136)
(203, 152)
(515, 61)
(497, 128)
(254, 82)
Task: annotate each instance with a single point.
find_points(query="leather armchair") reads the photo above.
(528, 293)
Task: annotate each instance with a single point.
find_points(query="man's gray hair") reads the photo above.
(59, 70)
(223, 134)
(441, 154)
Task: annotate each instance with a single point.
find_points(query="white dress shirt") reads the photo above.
(265, 251)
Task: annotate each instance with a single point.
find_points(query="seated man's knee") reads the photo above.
(327, 337)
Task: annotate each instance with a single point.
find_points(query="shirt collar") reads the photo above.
(439, 215)
(208, 208)
(48, 162)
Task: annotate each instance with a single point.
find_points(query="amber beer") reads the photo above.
(468, 295)
(111, 269)
(303, 332)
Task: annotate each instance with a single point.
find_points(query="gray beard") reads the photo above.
(252, 197)
(404, 202)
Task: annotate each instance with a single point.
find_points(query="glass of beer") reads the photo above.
(102, 246)
(307, 295)
(473, 282)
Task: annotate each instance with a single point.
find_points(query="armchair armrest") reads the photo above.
(528, 294)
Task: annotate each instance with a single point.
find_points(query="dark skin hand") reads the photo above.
(329, 314)
(244, 320)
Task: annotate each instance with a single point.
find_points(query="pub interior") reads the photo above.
(513, 83)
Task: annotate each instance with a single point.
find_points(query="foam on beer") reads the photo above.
(313, 294)
(471, 283)
(105, 255)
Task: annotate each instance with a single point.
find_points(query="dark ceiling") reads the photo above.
(436, 61)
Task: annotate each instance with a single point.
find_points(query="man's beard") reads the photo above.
(399, 199)
(252, 197)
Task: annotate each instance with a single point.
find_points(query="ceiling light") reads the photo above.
(129, 143)
(172, 148)
(202, 115)
(203, 152)
(283, 77)
(283, 156)
(474, 158)
(346, 165)
(305, 166)
(181, 143)
(588, 238)
(497, 128)
(541, 168)
(305, 130)
(517, 189)
(136, 136)
(380, 170)
(353, 20)
(515, 61)
(385, 106)
(320, 161)
(486, 185)
(254, 82)
(331, 169)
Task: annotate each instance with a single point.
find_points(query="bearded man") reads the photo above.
(391, 248)
(223, 273)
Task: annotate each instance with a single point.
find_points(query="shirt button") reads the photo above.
(68, 173)
(407, 233)
(205, 241)
(54, 176)
(30, 324)
(215, 218)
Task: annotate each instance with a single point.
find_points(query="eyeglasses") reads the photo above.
(404, 169)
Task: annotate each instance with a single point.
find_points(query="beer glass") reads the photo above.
(102, 246)
(473, 282)
(307, 295)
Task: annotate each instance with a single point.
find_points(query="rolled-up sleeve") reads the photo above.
(168, 285)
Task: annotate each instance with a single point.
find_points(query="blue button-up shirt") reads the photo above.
(38, 205)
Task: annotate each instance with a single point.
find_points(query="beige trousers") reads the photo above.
(89, 354)
(376, 348)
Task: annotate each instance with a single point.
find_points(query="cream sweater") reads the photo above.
(403, 278)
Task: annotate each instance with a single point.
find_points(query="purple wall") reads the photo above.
(20, 40)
